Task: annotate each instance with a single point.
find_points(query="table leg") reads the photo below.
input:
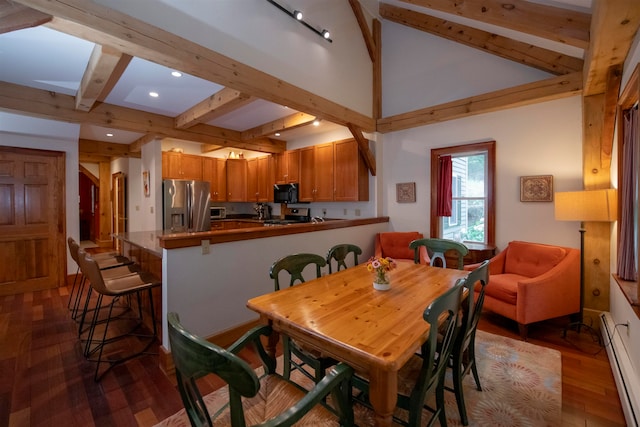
(383, 394)
(272, 343)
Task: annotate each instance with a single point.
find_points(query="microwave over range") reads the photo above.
(285, 193)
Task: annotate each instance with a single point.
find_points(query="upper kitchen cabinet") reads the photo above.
(236, 180)
(317, 173)
(214, 170)
(287, 167)
(181, 166)
(260, 179)
(351, 172)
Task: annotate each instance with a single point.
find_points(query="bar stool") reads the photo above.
(132, 285)
(109, 260)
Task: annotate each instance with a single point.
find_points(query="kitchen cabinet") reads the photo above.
(259, 179)
(287, 167)
(181, 166)
(351, 172)
(214, 170)
(236, 180)
(317, 173)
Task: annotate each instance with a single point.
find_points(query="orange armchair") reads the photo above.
(395, 245)
(530, 282)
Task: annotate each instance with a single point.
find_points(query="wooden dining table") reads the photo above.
(344, 317)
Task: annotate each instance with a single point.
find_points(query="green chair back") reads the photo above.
(294, 265)
(436, 248)
(340, 252)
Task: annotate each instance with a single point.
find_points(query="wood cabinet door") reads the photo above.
(171, 165)
(307, 176)
(191, 166)
(324, 170)
(252, 180)
(279, 168)
(265, 180)
(214, 171)
(351, 173)
(293, 166)
(32, 227)
(236, 180)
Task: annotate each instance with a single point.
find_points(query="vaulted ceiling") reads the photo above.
(244, 108)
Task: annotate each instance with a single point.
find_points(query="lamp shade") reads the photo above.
(588, 205)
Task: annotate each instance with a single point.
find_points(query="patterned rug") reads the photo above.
(521, 386)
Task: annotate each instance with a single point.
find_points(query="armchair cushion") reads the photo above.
(396, 244)
(531, 260)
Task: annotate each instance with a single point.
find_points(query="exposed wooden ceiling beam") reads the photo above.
(102, 63)
(614, 24)
(289, 122)
(530, 93)
(549, 22)
(102, 25)
(363, 147)
(15, 16)
(136, 146)
(42, 103)
(364, 28)
(265, 145)
(524, 53)
(220, 103)
(105, 149)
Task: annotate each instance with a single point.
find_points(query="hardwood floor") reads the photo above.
(45, 380)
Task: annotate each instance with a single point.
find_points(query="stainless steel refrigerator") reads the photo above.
(186, 205)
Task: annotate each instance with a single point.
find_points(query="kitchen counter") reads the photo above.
(168, 240)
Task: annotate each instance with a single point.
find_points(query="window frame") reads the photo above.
(488, 147)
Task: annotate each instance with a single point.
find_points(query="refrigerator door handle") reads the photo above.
(189, 203)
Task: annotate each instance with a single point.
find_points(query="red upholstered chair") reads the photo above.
(395, 244)
(530, 282)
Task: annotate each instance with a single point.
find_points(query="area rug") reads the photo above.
(521, 386)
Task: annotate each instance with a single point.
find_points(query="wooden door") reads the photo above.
(118, 183)
(351, 173)
(32, 220)
(265, 179)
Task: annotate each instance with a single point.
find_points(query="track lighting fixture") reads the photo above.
(298, 15)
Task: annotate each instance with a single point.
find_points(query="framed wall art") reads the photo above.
(406, 192)
(146, 184)
(538, 188)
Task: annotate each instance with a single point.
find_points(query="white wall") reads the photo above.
(27, 132)
(540, 139)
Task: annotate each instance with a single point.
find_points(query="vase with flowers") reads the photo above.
(381, 266)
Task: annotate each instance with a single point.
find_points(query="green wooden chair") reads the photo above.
(249, 394)
(436, 249)
(295, 265)
(463, 356)
(423, 375)
(339, 254)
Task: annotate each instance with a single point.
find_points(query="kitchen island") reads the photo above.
(208, 277)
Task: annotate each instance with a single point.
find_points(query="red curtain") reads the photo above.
(444, 195)
(626, 245)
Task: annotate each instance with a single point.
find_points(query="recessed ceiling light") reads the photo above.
(176, 74)
(153, 94)
(109, 134)
(316, 122)
(277, 133)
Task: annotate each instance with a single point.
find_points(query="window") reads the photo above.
(472, 188)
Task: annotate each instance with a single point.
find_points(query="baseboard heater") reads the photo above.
(626, 379)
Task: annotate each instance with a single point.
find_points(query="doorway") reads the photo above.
(89, 189)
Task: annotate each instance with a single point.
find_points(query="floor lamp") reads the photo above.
(585, 206)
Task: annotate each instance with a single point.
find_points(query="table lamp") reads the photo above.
(585, 206)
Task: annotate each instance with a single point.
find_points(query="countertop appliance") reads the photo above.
(293, 216)
(186, 205)
(285, 193)
(217, 212)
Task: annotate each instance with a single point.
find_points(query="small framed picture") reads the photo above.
(538, 188)
(406, 192)
(146, 183)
